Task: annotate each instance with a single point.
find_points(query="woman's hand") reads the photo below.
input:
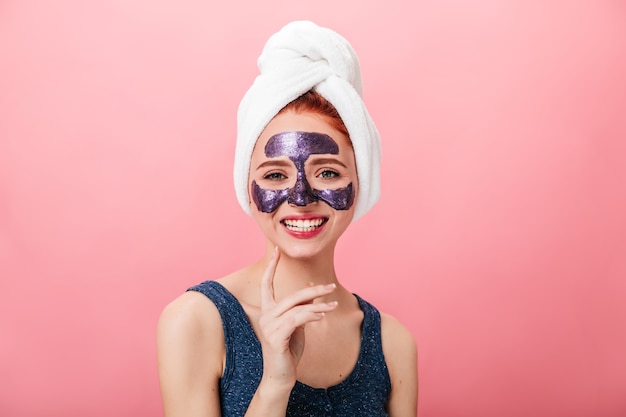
(282, 325)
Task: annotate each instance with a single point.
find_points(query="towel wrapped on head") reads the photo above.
(301, 57)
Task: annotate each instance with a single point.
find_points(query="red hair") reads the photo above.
(313, 102)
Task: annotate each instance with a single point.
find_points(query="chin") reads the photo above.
(304, 251)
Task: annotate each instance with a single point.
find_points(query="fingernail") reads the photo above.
(332, 303)
(330, 286)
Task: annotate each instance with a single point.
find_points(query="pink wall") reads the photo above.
(499, 240)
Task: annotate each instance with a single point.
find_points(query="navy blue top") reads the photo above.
(363, 393)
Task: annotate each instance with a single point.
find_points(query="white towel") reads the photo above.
(300, 57)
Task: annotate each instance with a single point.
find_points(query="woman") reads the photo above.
(282, 337)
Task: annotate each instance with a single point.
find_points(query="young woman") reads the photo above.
(283, 337)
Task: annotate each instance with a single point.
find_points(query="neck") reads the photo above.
(294, 273)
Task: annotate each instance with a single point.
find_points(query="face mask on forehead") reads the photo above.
(298, 146)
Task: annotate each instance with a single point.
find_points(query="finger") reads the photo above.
(284, 326)
(304, 296)
(267, 282)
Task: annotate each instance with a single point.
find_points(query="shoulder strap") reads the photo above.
(241, 341)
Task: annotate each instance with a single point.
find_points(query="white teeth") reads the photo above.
(303, 225)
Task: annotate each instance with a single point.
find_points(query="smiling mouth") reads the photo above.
(304, 226)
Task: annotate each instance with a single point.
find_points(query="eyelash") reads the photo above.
(275, 176)
(324, 174)
(279, 176)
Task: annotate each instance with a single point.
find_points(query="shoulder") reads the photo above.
(396, 338)
(189, 313)
(191, 355)
(189, 326)
(400, 352)
(395, 335)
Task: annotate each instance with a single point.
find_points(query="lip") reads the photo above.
(304, 234)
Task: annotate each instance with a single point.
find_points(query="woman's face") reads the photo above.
(302, 183)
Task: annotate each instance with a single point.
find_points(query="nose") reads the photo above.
(301, 195)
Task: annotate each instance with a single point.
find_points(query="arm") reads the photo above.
(400, 353)
(190, 348)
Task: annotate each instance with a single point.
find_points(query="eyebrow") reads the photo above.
(275, 163)
(325, 161)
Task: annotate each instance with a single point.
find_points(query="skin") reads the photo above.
(307, 322)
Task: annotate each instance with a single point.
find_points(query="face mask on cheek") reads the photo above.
(298, 146)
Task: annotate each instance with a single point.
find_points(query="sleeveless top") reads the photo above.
(363, 393)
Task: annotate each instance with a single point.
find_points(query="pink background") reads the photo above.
(500, 239)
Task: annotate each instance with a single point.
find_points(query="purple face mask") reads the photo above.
(298, 146)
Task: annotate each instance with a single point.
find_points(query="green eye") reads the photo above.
(274, 176)
(328, 174)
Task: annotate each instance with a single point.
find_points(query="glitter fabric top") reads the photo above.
(364, 392)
